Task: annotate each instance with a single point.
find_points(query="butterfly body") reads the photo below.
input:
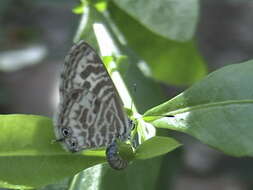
(90, 113)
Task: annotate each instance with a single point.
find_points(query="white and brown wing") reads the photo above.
(90, 113)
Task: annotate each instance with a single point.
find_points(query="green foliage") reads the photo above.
(173, 19)
(217, 110)
(154, 40)
(29, 157)
(141, 175)
(156, 146)
(169, 61)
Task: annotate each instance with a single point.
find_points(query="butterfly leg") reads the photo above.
(114, 159)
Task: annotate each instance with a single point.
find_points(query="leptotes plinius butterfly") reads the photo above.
(90, 113)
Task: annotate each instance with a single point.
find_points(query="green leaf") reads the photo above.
(61, 185)
(11, 186)
(101, 5)
(217, 111)
(140, 175)
(29, 158)
(168, 61)
(156, 146)
(107, 60)
(78, 9)
(172, 19)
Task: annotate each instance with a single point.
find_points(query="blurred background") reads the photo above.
(36, 35)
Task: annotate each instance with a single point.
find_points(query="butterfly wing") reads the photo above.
(90, 113)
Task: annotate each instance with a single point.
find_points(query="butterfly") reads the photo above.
(90, 113)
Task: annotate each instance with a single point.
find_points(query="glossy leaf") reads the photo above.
(11, 186)
(156, 146)
(168, 61)
(217, 111)
(141, 175)
(61, 185)
(28, 157)
(172, 19)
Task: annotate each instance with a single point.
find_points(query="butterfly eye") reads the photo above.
(66, 132)
(72, 143)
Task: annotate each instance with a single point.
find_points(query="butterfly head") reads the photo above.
(69, 142)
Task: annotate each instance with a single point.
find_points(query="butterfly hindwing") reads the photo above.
(90, 113)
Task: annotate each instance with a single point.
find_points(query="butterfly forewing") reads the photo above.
(90, 113)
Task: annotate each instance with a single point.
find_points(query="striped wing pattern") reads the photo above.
(90, 113)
